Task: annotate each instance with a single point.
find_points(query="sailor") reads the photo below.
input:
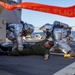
(16, 32)
(38, 48)
(59, 37)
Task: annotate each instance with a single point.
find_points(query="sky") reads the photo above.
(38, 19)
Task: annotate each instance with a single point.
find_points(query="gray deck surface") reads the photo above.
(33, 65)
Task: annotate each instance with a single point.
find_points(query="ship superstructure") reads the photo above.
(13, 16)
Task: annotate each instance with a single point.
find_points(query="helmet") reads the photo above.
(60, 24)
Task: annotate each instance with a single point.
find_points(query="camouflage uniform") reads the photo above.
(36, 49)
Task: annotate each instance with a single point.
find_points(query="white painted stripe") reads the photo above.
(69, 70)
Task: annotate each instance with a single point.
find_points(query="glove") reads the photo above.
(20, 47)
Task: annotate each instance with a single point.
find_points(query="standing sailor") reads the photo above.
(59, 37)
(16, 32)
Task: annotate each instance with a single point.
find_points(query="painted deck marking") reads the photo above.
(69, 70)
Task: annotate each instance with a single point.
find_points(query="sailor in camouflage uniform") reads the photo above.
(38, 48)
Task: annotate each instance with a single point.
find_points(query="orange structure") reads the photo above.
(63, 11)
